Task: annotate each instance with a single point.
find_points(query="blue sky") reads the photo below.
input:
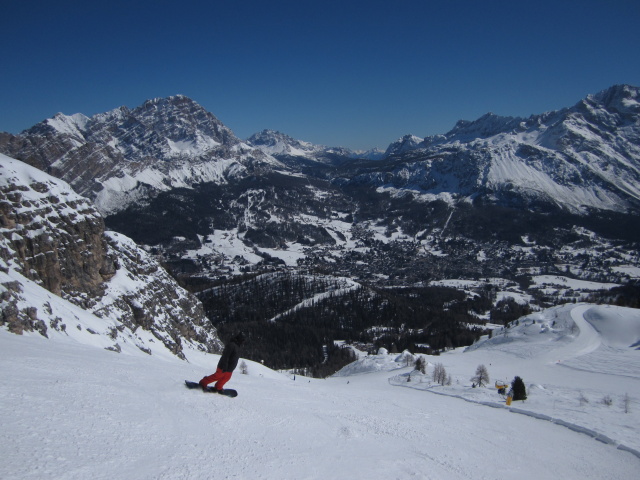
(340, 73)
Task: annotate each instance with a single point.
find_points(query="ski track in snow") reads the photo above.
(73, 411)
(317, 298)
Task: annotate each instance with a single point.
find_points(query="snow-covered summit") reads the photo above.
(278, 143)
(486, 126)
(371, 154)
(73, 125)
(404, 144)
(623, 99)
(580, 158)
(160, 127)
(125, 155)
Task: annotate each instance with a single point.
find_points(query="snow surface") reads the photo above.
(69, 124)
(229, 244)
(69, 410)
(122, 189)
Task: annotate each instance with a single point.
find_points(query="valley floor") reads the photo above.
(73, 411)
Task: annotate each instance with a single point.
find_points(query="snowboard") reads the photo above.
(229, 392)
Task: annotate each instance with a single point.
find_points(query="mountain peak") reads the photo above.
(167, 108)
(269, 137)
(60, 123)
(404, 144)
(620, 98)
(172, 100)
(274, 142)
(179, 119)
(486, 126)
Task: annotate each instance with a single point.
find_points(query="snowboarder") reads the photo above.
(226, 365)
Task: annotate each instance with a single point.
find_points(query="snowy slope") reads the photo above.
(404, 144)
(579, 158)
(571, 358)
(133, 302)
(72, 411)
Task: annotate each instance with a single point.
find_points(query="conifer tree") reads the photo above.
(518, 388)
(421, 365)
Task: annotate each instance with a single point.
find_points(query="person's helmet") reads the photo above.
(239, 338)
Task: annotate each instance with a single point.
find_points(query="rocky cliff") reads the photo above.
(61, 272)
(129, 155)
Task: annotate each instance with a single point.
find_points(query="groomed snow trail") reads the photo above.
(70, 411)
(586, 340)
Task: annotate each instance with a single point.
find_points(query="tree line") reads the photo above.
(421, 319)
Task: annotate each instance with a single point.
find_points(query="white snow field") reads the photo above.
(72, 410)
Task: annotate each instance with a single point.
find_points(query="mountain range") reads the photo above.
(137, 240)
(281, 145)
(124, 156)
(507, 211)
(578, 158)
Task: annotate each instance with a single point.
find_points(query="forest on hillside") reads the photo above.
(293, 321)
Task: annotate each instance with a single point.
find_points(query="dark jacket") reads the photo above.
(230, 356)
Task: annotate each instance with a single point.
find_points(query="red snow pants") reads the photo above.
(220, 377)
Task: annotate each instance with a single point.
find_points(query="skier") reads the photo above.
(226, 365)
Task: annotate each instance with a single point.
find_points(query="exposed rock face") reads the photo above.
(124, 155)
(56, 236)
(581, 158)
(55, 239)
(153, 301)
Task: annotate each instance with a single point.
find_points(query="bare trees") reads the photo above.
(440, 375)
(481, 377)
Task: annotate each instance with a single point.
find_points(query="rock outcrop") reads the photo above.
(53, 239)
(129, 155)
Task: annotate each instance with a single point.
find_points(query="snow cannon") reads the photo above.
(502, 387)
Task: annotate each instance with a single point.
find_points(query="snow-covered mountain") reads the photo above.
(163, 128)
(62, 274)
(371, 154)
(126, 156)
(404, 144)
(282, 146)
(277, 143)
(580, 158)
(472, 203)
